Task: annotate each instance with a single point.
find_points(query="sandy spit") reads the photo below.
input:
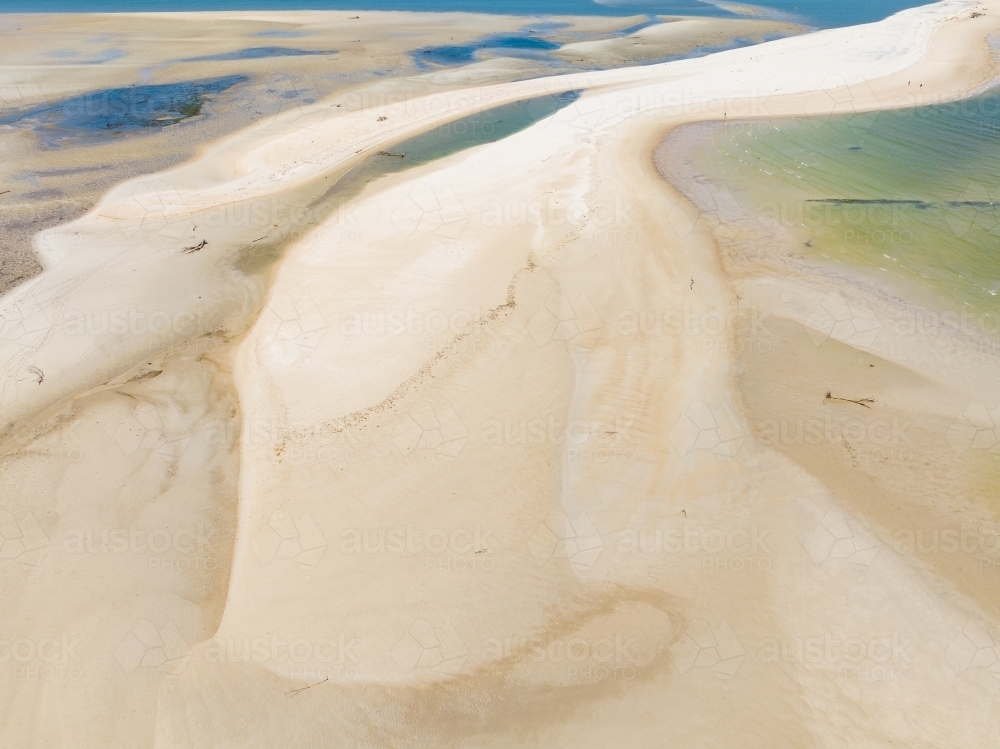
(481, 501)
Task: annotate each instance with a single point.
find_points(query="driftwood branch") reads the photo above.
(302, 689)
(195, 248)
(861, 401)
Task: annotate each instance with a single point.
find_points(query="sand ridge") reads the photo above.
(480, 491)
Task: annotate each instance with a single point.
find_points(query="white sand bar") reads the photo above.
(475, 507)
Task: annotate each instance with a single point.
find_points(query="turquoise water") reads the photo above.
(825, 13)
(909, 196)
(487, 126)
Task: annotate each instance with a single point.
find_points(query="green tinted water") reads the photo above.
(318, 200)
(912, 195)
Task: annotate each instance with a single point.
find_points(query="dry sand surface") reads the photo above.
(70, 62)
(427, 474)
(677, 36)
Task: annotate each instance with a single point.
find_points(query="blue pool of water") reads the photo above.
(465, 53)
(98, 114)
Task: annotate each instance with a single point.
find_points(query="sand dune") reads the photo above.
(483, 500)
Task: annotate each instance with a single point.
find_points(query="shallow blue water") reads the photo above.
(824, 13)
(99, 114)
(458, 54)
(279, 34)
(256, 53)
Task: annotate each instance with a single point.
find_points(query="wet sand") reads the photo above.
(484, 498)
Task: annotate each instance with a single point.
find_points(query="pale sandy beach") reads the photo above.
(480, 452)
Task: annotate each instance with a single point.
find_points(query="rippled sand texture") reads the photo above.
(481, 500)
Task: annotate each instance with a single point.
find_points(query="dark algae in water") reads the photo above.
(117, 110)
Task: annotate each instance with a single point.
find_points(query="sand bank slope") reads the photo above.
(496, 482)
(514, 389)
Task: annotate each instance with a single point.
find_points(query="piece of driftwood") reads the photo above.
(302, 689)
(861, 401)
